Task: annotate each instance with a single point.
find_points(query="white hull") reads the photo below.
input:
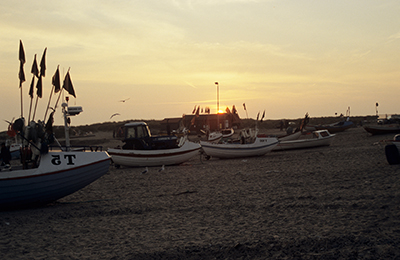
(139, 158)
(304, 143)
(260, 147)
(58, 175)
(289, 137)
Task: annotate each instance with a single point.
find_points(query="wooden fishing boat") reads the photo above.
(142, 149)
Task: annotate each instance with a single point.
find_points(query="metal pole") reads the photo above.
(216, 83)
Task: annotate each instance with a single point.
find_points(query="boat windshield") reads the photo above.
(141, 132)
(324, 134)
(131, 132)
(137, 132)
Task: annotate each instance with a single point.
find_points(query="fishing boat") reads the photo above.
(46, 174)
(249, 144)
(259, 146)
(59, 174)
(142, 149)
(295, 134)
(332, 128)
(217, 135)
(318, 138)
(382, 129)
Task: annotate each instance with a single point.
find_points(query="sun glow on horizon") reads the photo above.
(186, 53)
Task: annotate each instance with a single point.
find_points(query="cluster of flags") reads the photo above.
(234, 110)
(262, 117)
(196, 110)
(39, 74)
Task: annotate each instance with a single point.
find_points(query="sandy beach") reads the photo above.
(337, 202)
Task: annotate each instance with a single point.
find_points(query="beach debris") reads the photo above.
(162, 168)
(185, 192)
(116, 114)
(145, 170)
(272, 171)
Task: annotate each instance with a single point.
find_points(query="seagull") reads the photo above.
(123, 100)
(145, 170)
(162, 168)
(116, 114)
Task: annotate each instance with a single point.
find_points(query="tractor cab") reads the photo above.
(137, 136)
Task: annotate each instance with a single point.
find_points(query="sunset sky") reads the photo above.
(164, 57)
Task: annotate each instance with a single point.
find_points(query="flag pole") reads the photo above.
(22, 106)
(48, 104)
(34, 111)
(30, 105)
(54, 80)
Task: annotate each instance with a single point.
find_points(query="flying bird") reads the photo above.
(116, 114)
(123, 100)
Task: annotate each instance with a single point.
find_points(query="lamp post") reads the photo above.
(216, 83)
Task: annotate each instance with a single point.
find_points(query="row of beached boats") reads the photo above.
(47, 176)
(46, 173)
(142, 149)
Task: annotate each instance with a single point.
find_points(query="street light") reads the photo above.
(216, 83)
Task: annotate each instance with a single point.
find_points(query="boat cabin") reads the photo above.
(137, 136)
(321, 134)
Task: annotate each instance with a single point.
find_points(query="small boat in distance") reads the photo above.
(332, 128)
(217, 135)
(383, 129)
(141, 149)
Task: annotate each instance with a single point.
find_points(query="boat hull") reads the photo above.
(293, 136)
(332, 128)
(304, 143)
(144, 158)
(58, 175)
(382, 129)
(260, 147)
